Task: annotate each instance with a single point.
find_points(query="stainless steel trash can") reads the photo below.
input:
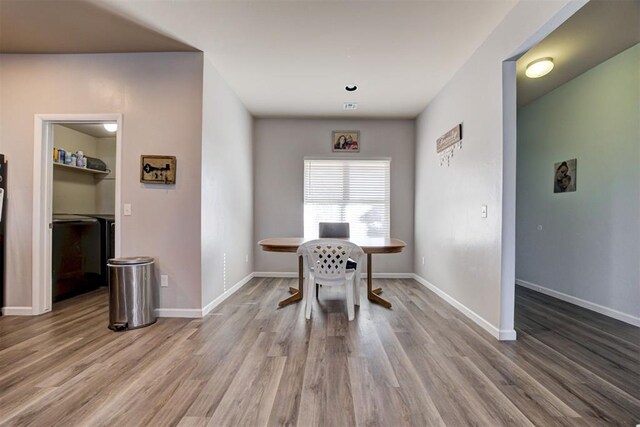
(132, 293)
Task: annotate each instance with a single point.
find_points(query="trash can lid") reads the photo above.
(132, 260)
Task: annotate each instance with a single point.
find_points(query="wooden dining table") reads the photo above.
(369, 245)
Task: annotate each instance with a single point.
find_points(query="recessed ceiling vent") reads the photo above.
(350, 106)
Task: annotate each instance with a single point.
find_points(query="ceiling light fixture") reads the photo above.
(110, 127)
(350, 88)
(539, 67)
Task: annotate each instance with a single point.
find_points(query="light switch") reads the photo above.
(484, 211)
(164, 280)
(127, 209)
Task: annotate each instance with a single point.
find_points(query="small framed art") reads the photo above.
(345, 140)
(565, 176)
(158, 169)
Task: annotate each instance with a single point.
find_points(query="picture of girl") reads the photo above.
(565, 176)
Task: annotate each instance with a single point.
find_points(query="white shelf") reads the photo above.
(94, 171)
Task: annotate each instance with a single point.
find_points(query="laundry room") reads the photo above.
(83, 201)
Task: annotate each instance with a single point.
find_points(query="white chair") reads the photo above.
(335, 230)
(326, 262)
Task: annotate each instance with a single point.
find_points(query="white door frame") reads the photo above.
(43, 198)
(509, 161)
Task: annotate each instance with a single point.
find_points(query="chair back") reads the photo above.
(328, 258)
(333, 230)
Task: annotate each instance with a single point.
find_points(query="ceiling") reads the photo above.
(597, 32)
(293, 58)
(96, 130)
(72, 26)
(282, 58)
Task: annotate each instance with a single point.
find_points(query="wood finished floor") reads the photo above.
(422, 363)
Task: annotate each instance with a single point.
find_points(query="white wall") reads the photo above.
(227, 188)
(589, 245)
(73, 191)
(106, 184)
(464, 252)
(280, 148)
(160, 97)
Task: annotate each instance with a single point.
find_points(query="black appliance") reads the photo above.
(3, 211)
(76, 255)
(107, 243)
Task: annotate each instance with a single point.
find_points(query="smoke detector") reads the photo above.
(350, 106)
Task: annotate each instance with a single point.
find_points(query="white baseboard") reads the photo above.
(274, 274)
(390, 276)
(507, 335)
(610, 312)
(213, 304)
(17, 311)
(290, 274)
(502, 335)
(196, 313)
(190, 313)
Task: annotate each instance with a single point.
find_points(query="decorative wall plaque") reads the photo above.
(158, 169)
(447, 143)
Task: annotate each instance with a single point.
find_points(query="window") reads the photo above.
(353, 191)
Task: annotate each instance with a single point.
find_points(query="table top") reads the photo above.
(370, 245)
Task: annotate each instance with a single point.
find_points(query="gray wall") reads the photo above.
(227, 188)
(465, 254)
(160, 97)
(280, 146)
(589, 245)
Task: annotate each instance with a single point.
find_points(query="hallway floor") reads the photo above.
(248, 363)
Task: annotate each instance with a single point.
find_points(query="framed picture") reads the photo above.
(345, 140)
(158, 169)
(565, 176)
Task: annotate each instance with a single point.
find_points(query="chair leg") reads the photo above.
(356, 289)
(350, 307)
(307, 298)
(317, 289)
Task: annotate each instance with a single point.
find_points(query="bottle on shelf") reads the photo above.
(80, 160)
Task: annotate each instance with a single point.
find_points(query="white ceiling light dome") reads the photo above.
(539, 67)
(110, 127)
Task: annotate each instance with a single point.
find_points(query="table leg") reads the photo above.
(373, 294)
(296, 293)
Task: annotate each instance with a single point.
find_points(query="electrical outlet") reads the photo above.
(422, 260)
(483, 211)
(164, 280)
(127, 209)
(246, 259)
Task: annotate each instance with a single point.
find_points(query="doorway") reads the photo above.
(77, 193)
(577, 169)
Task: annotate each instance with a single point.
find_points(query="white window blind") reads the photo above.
(353, 191)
